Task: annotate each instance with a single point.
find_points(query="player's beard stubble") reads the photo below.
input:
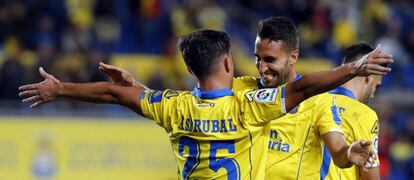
(274, 77)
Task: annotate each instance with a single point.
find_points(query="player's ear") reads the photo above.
(228, 63)
(294, 55)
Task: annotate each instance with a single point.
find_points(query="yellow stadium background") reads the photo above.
(83, 149)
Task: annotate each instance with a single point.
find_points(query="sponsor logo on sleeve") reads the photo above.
(375, 146)
(375, 149)
(375, 128)
(266, 95)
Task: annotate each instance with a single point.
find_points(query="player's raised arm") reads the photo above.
(315, 83)
(99, 92)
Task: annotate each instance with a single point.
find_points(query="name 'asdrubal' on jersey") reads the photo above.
(217, 134)
(207, 125)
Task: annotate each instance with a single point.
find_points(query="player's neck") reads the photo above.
(354, 87)
(292, 76)
(215, 82)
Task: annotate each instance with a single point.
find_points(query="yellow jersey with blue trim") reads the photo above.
(295, 145)
(359, 122)
(216, 134)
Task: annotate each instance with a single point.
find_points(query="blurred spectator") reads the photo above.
(92, 73)
(12, 71)
(106, 28)
(45, 56)
(5, 25)
(75, 38)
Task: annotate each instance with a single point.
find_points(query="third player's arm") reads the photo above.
(345, 156)
(338, 148)
(371, 174)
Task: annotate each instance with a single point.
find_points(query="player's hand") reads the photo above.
(374, 63)
(39, 93)
(118, 75)
(372, 162)
(359, 152)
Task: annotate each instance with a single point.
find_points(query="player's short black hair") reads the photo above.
(279, 29)
(201, 50)
(355, 51)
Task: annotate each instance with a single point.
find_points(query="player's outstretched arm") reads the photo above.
(345, 156)
(315, 83)
(100, 92)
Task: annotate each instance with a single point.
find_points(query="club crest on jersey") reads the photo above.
(265, 95)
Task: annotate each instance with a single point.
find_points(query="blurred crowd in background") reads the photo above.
(70, 37)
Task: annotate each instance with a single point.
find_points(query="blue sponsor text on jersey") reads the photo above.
(206, 125)
(276, 143)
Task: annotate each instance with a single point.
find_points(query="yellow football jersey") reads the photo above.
(295, 145)
(359, 122)
(216, 134)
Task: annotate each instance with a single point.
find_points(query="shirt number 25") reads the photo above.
(231, 165)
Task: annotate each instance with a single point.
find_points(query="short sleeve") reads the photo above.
(262, 105)
(158, 106)
(327, 115)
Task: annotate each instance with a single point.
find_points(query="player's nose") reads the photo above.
(263, 66)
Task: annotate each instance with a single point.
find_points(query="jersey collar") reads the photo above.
(343, 91)
(261, 81)
(213, 94)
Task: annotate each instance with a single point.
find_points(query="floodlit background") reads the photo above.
(73, 140)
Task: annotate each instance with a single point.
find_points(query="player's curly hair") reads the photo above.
(201, 50)
(279, 29)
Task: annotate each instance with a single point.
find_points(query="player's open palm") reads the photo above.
(374, 63)
(39, 93)
(359, 152)
(118, 75)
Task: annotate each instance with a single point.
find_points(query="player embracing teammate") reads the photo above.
(217, 132)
